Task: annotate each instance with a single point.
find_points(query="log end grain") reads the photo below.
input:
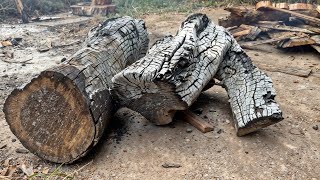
(51, 118)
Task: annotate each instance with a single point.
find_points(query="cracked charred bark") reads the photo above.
(61, 114)
(176, 70)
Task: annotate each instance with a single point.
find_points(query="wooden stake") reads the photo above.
(195, 121)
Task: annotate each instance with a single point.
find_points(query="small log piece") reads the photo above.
(195, 121)
(176, 70)
(61, 114)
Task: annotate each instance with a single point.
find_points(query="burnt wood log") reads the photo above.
(61, 114)
(176, 70)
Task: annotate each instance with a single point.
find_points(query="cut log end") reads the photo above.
(51, 117)
(258, 123)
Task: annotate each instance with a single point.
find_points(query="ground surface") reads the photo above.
(138, 149)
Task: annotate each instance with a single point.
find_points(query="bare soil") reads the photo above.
(133, 148)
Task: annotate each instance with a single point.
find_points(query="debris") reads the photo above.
(220, 131)
(195, 120)
(188, 131)
(22, 151)
(27, 171)
(171, 165)
(102, 7)
(315, 127)
(289, 25)
(198, 111)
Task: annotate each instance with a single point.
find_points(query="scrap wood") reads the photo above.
(289, 70)
(259, 42)
(318, 8)
(300, 6)
(262, 5)
(316, 47)
(295, 42)
(195, 121)
(286, 28)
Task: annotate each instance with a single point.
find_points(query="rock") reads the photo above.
(205, 117)
(63, 59)
(227, 121)
(13, 140)
(198, 111)
(171, 165)
(189, 130)
(220, 131)
(315, 127)
(212, 110)
(22, 151)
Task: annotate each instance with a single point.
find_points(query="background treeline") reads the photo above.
(128, 7)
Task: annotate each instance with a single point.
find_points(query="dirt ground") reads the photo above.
(136, 149)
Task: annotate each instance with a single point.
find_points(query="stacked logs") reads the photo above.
(61, 114)
(102, 7)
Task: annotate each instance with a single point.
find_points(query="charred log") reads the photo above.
(61, 114)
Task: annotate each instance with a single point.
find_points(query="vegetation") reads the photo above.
(127, 7)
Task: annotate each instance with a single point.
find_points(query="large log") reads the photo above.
(61, 114)
(176, 70)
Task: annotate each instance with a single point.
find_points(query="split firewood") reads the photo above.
(296, 42)
(287, 28)
(61, 113)
(176, 69)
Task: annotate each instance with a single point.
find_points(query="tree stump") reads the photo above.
(61, 114)
(176, 70)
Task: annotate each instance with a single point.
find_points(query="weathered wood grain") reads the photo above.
(61, 114)
(176, 70)
(251, 92)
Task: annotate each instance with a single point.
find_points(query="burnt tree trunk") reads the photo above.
(61, 113)
(176, 70)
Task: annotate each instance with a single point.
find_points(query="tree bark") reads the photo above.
(22, 11)
(61, 114)
(176, 70)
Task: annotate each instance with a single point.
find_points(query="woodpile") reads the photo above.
(283, 24)
(96, 7)
(61, 113)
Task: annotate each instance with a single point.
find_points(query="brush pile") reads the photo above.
(285, 25)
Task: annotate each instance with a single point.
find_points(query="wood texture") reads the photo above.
(176, 69)
(250, 91)
(295, 14)
(61, 114)
(195, 121)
